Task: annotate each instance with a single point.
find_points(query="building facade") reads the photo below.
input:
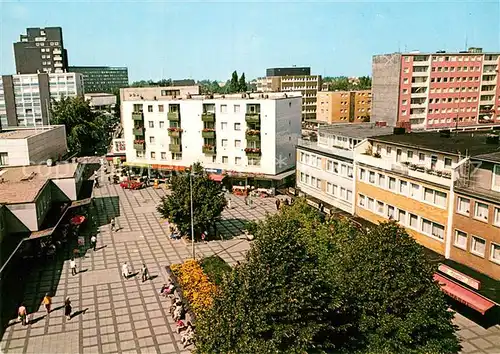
(437, 90)
(25, 99)
(22, 147)
(41, 50)
(343, 106)
(105, 79)
(240, 134)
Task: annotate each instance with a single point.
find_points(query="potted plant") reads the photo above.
(377, 155)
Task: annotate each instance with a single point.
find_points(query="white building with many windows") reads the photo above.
(242, 135)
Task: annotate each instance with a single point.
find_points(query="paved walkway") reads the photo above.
(127, 316)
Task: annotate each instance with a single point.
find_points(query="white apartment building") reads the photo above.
(241, 135)
(325, 167)
(22, 147)
(25, 99)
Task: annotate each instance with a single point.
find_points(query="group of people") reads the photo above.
(127, 272)
(22, 312)
(179, 314)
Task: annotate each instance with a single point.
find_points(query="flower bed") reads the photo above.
(197, 289)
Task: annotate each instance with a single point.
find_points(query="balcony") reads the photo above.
(253, 135)
(173, 116)
(139, 145)
(57, 51)
(253, 152)
(138, 131)
(174, 147)
(208, 117)
(490, 82)
(490, 62)
(423, 173)
(208, 133)
(137, 116)
(174, 132)
(418, 94)
(252, 117)
(420, 73)
(208, 149)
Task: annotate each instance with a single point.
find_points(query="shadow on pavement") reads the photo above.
(227, 229)
(490, 319)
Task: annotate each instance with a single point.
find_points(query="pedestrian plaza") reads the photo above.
(114, 315)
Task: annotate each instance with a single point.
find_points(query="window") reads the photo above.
(163, 155)
(421, 157)
(237, 143)
(380, 207)
(225, 159)
(460, 239)
(409, 155)
(392, 183)
(348, 196)
(151, 139)
(160, 108)
(434, 160)
(495, 184)
(447, 162)
(403, 187)
(343, 170)
(237, 126)
(236, 108)
(370, 204)
(435, 197)
(349, 171)
(361, 200)
(150, 108)
(388, 150)
(415, 190)
(477, 246)
(162, 124)
(313, 181)
(390, 212)
(151, 124)
(481, 211)
(381, 180)
(362, 174)
(402, 216)
(224, 142)
(463, 205)
(371, 177)
(4, 158)
(495, 253)
(223, 108)
(153, 155)
(237, 160)
(223, 125)
(496, 216)
(413, 221)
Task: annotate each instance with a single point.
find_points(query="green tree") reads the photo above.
(208, 201)
(87, 132)
(242, 85)
(365, 83)
(234, 84)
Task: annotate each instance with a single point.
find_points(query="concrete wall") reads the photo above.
(17, 151)
(288, 131)
(22, 217)
(386, 71)
(51, 144)
(68, 186)
(43, 204)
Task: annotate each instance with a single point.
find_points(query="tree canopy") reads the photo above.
(310, 285)
(344, 83)
(87, 132)
(208, 201)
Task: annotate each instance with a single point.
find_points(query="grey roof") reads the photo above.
(355, 130)
(493, 157)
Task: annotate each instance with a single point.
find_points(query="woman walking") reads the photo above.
(67, 308)
(47, 301)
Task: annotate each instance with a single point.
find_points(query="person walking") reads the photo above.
(72, 264)
(278, 204)
(112, 224)
(67, 308)
(229, 204)
(125, 270)
(93, 242)
(23, 314)
(47, 302)
(145, 273)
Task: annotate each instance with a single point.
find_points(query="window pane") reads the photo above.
(478, 245)
(460, 239)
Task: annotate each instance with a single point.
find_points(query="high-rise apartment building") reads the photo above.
(41, 50)
(25, 99)
(250, 138)
(293, 80)
(343, 106)
(436, 90)
(102, 79)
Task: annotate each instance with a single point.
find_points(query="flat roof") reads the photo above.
(355, 130)
(99, 94)
(235, 96)
(22, 184)
(462, 143)
(18, 133)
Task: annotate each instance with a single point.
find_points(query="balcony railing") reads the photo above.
(208, 117)
(174, 132)
(174, 147)
(253, 135)
(139, 146)
(208, 134)
(137, 116)
(253, 152)
(252, 117)
(138, 131)
(208, 149)
(173, 116)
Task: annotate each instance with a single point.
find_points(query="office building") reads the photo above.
(99, 79)
(293, 80)
(343, 106)
(25, 99)
(325, 167)
(250, 138)
(436, 90)
(41, 50)
(22, 147)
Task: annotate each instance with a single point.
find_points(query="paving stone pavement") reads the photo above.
(127, 316)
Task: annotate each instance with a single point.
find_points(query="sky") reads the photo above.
(209, 39)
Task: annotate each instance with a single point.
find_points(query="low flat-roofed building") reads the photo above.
(101, 101)
(22, 147)
(28, 192)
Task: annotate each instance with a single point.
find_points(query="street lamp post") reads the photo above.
(192, 215)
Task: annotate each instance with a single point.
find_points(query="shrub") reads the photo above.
(215, 268)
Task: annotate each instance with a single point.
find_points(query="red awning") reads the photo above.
(77, 220)
(216, 178)
(464, 295)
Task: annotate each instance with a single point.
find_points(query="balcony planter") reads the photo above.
(174, 132)
(253, 135)
(208, 117)
(208, 149)
(377, 155)
(137, 116)
(252, 117)
(173, 116)
(253, 152)
(208, 133)
(174, 147)
(139, 145)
